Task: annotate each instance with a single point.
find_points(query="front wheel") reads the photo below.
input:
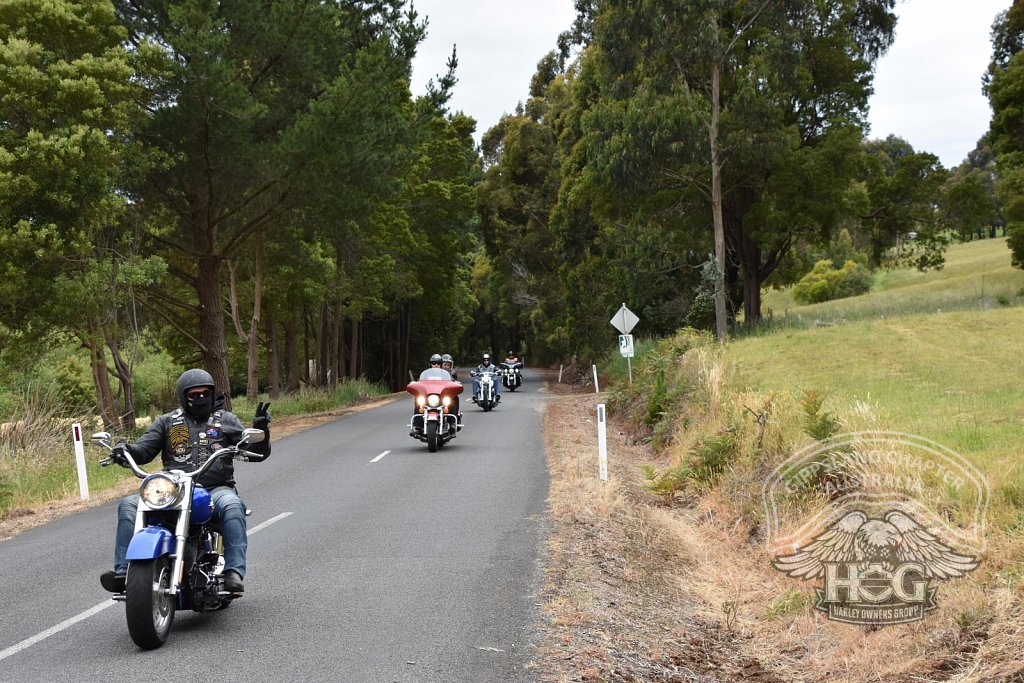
(148, 606)
(432, 437)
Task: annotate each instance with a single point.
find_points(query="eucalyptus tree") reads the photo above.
(1004, 85)
(746, 112)
(257, 92)
(899, 205)
(71, 101)
(515, 200)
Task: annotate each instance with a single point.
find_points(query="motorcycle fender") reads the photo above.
(433, 417)
(150, 543)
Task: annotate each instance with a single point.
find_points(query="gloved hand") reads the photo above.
(117, 453)
(262, 418)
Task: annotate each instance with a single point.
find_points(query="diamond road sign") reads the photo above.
(624, 320)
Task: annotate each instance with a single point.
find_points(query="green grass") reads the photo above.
(308, 400)
(977, 276)
(952, 377)
(40, 467)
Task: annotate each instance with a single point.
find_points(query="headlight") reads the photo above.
(159, 491)
(420, 401)
(447, 401)
(433, 400)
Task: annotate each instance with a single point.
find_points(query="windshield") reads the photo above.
(435, 373)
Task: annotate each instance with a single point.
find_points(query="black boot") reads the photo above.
(113, 582)
(233, 582)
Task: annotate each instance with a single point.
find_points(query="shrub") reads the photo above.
(825, 283)
(667, 482)
(712, 456)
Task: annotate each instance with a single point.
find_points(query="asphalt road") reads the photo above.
(414, 566)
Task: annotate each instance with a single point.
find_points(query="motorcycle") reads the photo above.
(512, 374)
(434, 422)
(486, 397)
(176, 557)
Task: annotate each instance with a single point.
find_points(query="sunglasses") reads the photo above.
(198, 394)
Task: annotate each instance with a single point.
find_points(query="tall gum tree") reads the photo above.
(721, 101)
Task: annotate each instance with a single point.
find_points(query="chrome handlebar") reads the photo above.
(249, 435)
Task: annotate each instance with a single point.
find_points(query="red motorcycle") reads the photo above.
(435, 421)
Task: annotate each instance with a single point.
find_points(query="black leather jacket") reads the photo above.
(187, 443)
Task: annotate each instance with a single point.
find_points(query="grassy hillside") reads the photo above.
(939, 355)
(977, 276)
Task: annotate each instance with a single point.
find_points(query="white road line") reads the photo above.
(29, 642)
(68, 623)
(380, 456)
(267, 523)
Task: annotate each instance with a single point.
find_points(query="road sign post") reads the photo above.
(624, 321)
(626, 349)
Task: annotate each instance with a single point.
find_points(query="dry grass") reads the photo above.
(616, 598)
(27, 516)
(639, 591)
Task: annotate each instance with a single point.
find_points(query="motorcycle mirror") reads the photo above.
(101, 436)
(251, 435)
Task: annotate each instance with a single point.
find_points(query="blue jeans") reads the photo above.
(497, 387)
(227, 507)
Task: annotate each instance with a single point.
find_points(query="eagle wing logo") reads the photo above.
(889, 542)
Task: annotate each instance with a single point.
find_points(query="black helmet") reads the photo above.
(190, 379)
(436, 358)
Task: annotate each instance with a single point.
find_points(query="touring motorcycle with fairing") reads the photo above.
(434, 420)
(512, 374)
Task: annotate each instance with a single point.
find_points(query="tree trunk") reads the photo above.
(323, 351)
(252, 380)
(124, 376)
(307, 372)
(336, 330)
(353, 361)
(211, 324)
(273, 358)
(716, 206)
(291, 353)
(105, 403)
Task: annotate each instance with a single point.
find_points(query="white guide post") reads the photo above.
(83, 480)
(602, 443)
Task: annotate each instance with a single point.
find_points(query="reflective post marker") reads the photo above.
(597, 389)
(560, 373)
(83, 481)
(602, 443)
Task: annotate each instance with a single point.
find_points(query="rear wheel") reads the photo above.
(148, 607)
(432, 437)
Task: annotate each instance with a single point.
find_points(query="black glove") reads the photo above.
(262, 419)
(117, 453)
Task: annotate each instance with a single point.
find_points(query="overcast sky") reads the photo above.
(927, 88)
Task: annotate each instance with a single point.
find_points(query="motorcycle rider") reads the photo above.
(511, 360)
(448, 363)
(486, 366)
(186, 437)
(436, 361)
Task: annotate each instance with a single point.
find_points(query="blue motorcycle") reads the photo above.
(176, 557)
